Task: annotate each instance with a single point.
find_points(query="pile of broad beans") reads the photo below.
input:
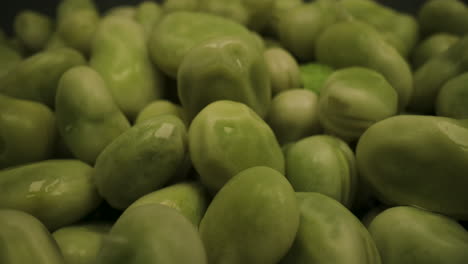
(235, 132)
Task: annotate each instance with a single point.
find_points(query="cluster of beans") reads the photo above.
(235, 132)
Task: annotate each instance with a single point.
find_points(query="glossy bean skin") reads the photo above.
(431, 47)
(354, 43)
(27, 131)
(353, 99)
(150, 154)
(407, 235)
(29, 81)
(227, 137)
(284, 70)
(293, 115)
(323, 164)
(300, 27)
(57, 192)
(120, 55)
(229, 68)
(152, 233)
(160, 107)
(81, 243)
(404, 169)
(180, 31)
(322, 216)
(429, 78)
(189, 198)
(24, 239)
(398, 29)
(87, 116)
(253, 219)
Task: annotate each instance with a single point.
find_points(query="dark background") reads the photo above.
(9, 8)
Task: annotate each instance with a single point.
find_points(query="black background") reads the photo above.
(9, 8)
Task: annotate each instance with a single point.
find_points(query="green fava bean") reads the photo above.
(24, 239)
(284, 70)
(323, 164)
(180, 5)
(431, 47)
(148, 155)
(27, 131)
(157, 108)
(314, 75)
(36, 78)
(404, 169)
(189, 198)
(178, 32)
(9, 58)
(353, 99)
(148, 14)
(80, 244)
(279, 8)
(439, 16)
(294, 115)
(300, 27)
(87, 116)
(123, 11)
(354, 43)
(431, 77)
(408, 235)
(57, 192)
(119, 54)
(252, 13)
(33, 29)
(329, 233)
(227, 68)
(55, 42)
(77, 21)
(152, 234)
(397, 29)
(453, 98)
(253, 219)
(226, 138)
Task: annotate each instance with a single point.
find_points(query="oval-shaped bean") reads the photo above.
(87, 116)
(119, 53)
(148, 155)
(57, 192)
(323, 164)
(406, 169)
(330, 233)
(253, 219)
(27, 131)
(24, 239)
(226, 138)
(152, 233)
(36, 78)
